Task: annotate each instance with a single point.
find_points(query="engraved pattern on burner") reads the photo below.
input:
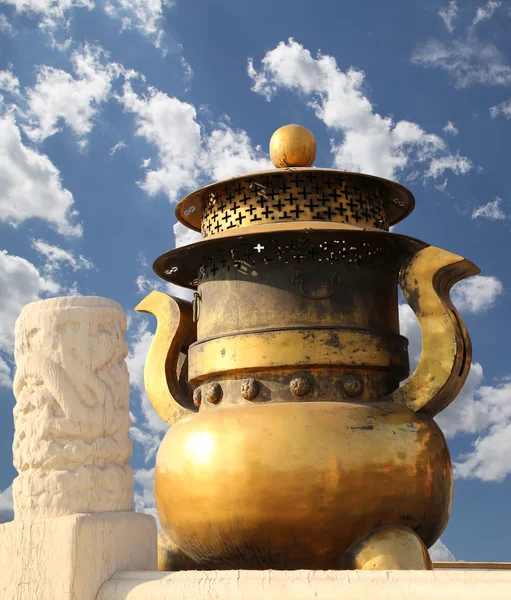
(247, 259)
(292, 197)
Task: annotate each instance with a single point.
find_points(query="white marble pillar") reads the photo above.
(74, 524)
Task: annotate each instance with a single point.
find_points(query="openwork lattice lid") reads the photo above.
(295, 192)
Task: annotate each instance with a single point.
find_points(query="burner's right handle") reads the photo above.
(426, 280)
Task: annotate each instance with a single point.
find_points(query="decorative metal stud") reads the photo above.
(197, 397)
(301, 386)
(214, 393)
(250, 389)
(352, 385)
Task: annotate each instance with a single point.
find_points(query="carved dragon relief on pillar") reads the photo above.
(71, 445)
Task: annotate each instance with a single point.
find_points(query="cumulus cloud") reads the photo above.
(185, 153)
(139, 343)
(20, 283)
(502, 109)
(5, 373)
(5, 26)
(409, 327)
(56, 257)
(459, 165)
(484, 411)
(467, 60)
(450, 128)
(119, 146)
(149, 441)
(9, 82)
(476, 294)
(143, 498)
(58, 97)
(479, 410)
(144, 15)
(484, 13)
(171, 126)
(491, 210)
(184, 235)
(440, 553)
(449, 14)
(50, 13)
(31, 185)
(371, 142)
(228, 152)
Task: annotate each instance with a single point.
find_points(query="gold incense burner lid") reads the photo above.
(294, 191)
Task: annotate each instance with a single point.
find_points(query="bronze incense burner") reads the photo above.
(291, 444)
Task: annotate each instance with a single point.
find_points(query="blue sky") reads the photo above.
(110, 112)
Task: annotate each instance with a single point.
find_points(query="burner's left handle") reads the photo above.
(166, 366)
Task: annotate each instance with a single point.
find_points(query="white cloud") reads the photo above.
(139, 344)
(504, 109)
(466, 415)
(52, 13)
(5, 26)
(119, 146)
(9, 82)
(184, 235)
(491, 210)
(439, 552)
(228, 153)
(31, 185)
(144, 493)
(20, 283)
(6, 505)
(485, 12)
(476, 294)
(144, 15)
(58, 96)
(485, 411)
(479, 410)
(371, 143)
(144, 285)
(459, 165)
(5, 374)
(171, 126)
(185, 154)
(55, 257)
(149, 441)
(468, 61)
(409, 327)
(450, 128)
(449, 14)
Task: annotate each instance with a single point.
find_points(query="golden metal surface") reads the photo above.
(446, 348)
(295, 194)
(171, 558)
(293, 485)
(165, 368)
(292, 146)
(388, 548)
(264, 350)
(304, 445)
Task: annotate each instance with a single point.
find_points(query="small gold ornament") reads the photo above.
(292, 146)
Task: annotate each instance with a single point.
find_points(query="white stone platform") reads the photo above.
(448, 584)
(70, 557)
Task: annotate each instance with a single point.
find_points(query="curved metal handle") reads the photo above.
(426, 281)
(299, 280)
(166, 366)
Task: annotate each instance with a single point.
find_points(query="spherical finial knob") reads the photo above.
(292, 146)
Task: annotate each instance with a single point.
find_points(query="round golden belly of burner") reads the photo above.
(293, 485)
